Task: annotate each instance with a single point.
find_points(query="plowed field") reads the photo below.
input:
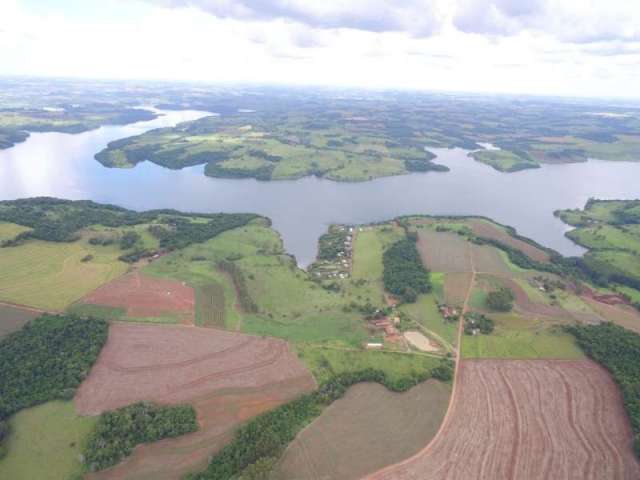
(538, 419)
(143, 296)
(228, 377)
(485, 229)
(366, 429)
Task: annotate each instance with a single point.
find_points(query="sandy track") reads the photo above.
(533, 419)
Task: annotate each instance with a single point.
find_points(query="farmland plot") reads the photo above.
(14, 318)
(369, 428)
(143, 296)
(210, 311)
(486, 229)
(227, 377)
(534, 419)
(443, 251)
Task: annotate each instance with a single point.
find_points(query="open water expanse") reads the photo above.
(62, 165)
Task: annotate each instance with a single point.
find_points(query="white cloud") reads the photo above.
(471, 45)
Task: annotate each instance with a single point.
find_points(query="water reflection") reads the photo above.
(62, 165)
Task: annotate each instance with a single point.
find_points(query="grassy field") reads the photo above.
(366, 279)
(610, 229)
(250, 146)
(45, 443)
(115, 313)
(520, 338)
(52, 275)
(9, 231)
(596, 212)
(625, 262)
(624, 237)
(503, 160)
(325, 361)
(290, 305)
(425, 312)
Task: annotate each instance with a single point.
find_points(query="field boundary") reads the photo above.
(456, 380)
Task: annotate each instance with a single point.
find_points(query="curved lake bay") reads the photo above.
(62, 165)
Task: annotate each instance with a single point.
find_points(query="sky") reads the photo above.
(541, 47)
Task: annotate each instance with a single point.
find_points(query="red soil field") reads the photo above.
(456, 287)
(623, 315)
(528, 419)
(444, 251)
(485, 229)
(228, 377)
(609, 299)
(144, 296)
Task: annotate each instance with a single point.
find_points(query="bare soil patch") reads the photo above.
(609, 299)
(488, 259)
(456, 287)
(485, 229)
(623, 315)
(533, 419)
(366, 429)
(443, 251)
(419, 341)
(228, 377)
(524, 304)
(13, 319)
(144, 296)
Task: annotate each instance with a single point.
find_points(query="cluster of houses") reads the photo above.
(450, 314)
(388, 327)
(340, 266)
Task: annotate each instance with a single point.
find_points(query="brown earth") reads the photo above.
(13, 318)
(144, 296)
(368, 428)
(623, 315)
(444, 251)
(484, 228)
(487, 259)
(528, 419)
(609, 299)
(228, 377)
(456, 286)
(524, 304)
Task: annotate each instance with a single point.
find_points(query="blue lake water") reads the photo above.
(62, 165)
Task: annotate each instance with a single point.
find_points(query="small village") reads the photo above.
(335, 253)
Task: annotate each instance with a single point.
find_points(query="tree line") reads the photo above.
(58, 220)
(618, 350)
(264, 438)
(118, 432)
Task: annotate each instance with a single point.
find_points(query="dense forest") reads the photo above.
(118, 432)
(618, 350)
(404, 275)
(47, 360)
(265, 437)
